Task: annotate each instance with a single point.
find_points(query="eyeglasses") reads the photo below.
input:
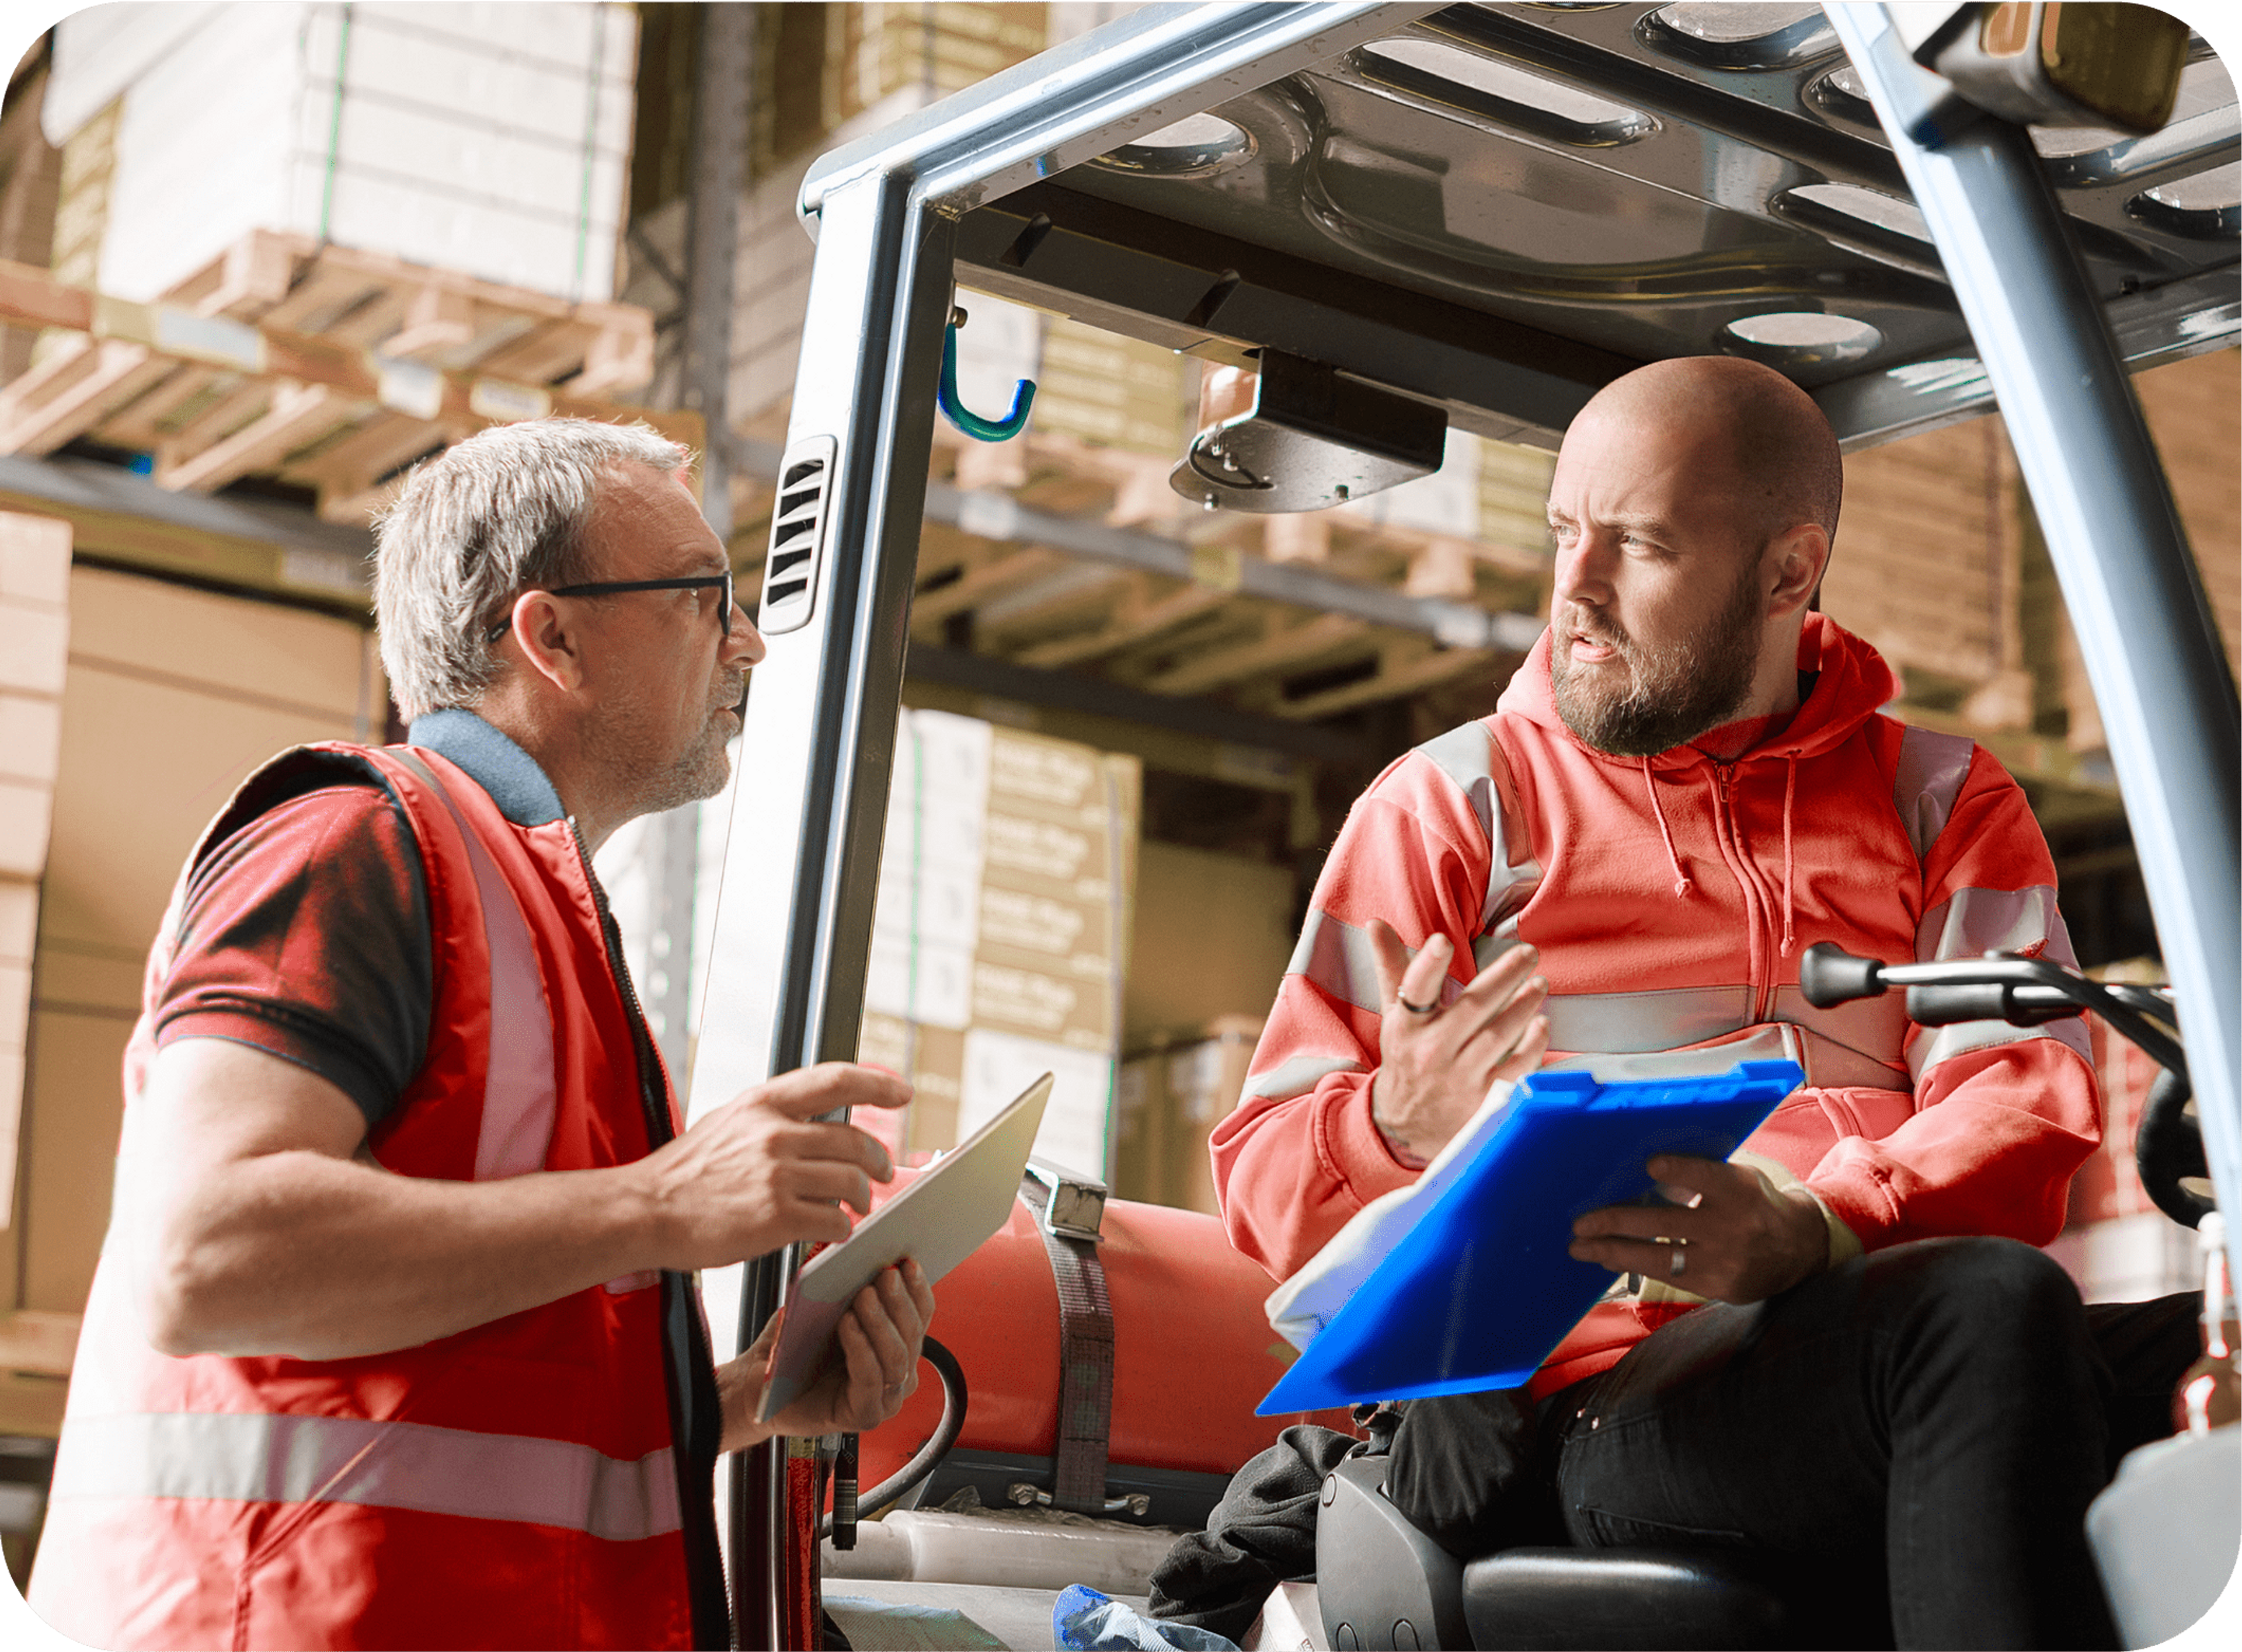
(615, 587)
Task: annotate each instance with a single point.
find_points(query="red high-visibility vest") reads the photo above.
(513, 1485)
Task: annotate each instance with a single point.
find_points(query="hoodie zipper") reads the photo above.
(1757, 903)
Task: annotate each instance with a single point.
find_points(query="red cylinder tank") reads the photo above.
(1192, 1350)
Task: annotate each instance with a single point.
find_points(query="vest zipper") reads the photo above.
(694, 1422)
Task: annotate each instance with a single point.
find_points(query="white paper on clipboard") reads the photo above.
(938, 1221)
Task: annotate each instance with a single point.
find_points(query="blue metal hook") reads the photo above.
(1024, 396)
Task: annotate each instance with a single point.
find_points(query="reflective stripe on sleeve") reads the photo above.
(264, 1459)
(520, 1096)
(1494, 944)
(1935, 1045)
(1298, 1076)
(1465, 755)
(1929, 779)
(1972, 922)
(1338, 957)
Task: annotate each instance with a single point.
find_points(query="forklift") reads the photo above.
(1391, 219)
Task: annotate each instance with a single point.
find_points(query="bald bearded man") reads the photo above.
(1846, 1353)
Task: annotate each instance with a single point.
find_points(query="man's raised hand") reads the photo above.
(760, 1172)
(1436, 1062)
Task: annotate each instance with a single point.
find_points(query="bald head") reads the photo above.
(1782, 454)
(1690, 510)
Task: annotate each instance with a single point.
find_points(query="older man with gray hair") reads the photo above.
(393, 1342)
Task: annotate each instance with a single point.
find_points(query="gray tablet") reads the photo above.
(939, 1221)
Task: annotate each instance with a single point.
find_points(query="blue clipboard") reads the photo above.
(1480, 1290)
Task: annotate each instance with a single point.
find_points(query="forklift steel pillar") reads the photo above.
(2160, 677)
(794, 918)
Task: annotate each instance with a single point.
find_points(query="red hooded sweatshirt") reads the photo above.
(1670, 898)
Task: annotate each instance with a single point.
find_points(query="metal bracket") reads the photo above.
(1076, 1206)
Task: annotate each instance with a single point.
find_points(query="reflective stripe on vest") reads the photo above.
(519, 1094)
(252, 1458)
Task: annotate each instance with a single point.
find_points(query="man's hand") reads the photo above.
(1741, 1241)
(758, 1172)
(1436, 1063)
(878, 1341)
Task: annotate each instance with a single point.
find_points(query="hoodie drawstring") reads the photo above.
(1682, 884)
(1789, 791)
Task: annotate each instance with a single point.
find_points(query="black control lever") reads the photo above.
(2026, 992)
(2000, 986)
(1829, 975)
(2025, 1005)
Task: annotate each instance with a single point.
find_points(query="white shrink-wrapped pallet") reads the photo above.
(488, 139)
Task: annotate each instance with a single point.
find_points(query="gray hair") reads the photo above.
(503, 512)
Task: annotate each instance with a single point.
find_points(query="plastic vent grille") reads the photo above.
(797, 535)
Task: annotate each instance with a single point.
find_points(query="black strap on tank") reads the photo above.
(1085, 1364)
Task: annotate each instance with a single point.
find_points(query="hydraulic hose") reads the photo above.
(928, 1457)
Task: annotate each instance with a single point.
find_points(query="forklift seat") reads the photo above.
(1383, 1583)
(1621, 1597)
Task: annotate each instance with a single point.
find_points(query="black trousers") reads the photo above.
(1907, 1441)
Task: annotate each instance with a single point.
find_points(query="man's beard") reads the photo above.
(1680, 690)
(701, 771)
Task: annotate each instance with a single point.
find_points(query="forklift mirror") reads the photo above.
(2055, 65)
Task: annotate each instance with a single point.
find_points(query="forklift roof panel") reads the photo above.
(1502, 207)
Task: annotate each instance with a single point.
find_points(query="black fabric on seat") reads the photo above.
(1559, 1599)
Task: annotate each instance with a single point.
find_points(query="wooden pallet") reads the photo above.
(325, 367)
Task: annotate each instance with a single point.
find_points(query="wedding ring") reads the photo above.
(1680, 1260)
(1414, 1009)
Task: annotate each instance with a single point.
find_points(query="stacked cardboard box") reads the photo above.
(489, 140)
(1000, 939)
(1169, 1102)
(1513, 494)
(1115, 391)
